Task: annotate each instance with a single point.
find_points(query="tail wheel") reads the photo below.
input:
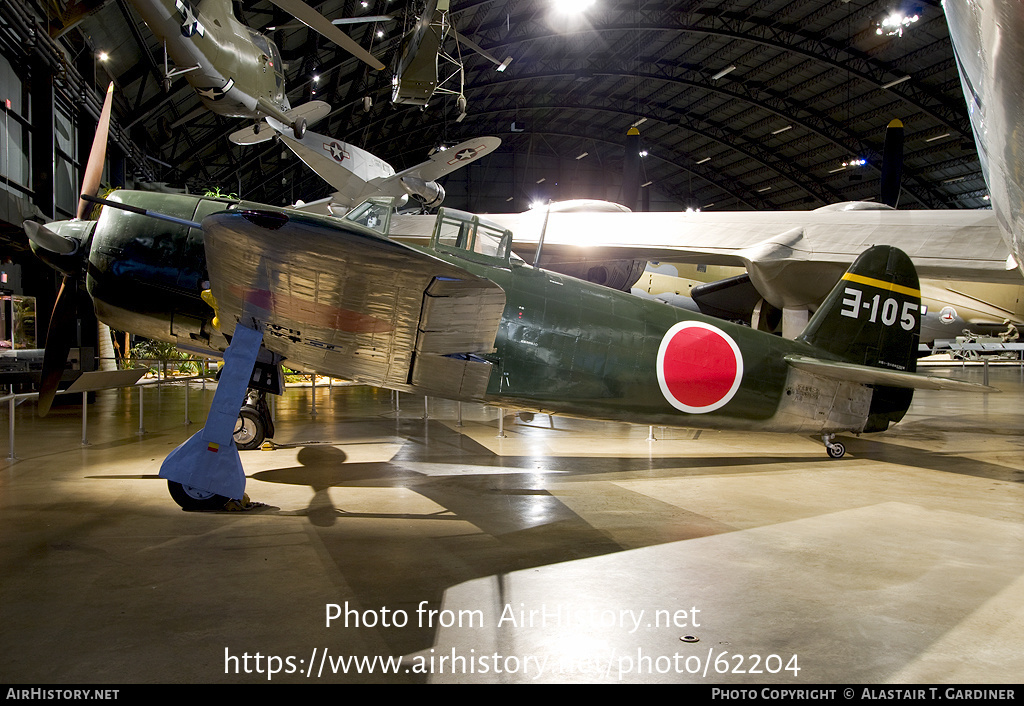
(299, 128)
(836, 450)
(194, 499)
(250, 429)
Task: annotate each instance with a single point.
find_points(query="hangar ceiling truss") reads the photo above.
(814, 86)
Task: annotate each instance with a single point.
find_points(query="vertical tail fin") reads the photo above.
(873, 316)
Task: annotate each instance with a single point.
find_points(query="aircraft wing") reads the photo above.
(347, 168)
(793, 257)
(867, 375)
(442, 163)
(335, 298)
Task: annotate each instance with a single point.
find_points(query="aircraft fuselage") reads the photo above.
(336, 298)
(235, 70)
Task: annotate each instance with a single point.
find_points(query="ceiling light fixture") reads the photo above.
(572, 5)
(706, 159)
(723, 72)
(897, 81)
(782, 129)
(937, 137)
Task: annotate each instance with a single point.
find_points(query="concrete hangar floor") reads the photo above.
(568, 551)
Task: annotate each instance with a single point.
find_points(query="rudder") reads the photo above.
(873, 317)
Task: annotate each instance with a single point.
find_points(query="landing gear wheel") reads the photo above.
(836, 450)
(462, 104)
(250, 430)
(299, 128)
(194, 499)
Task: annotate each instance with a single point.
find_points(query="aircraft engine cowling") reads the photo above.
(615, 274)
(428, 193)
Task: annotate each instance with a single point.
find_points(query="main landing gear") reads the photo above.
(254, 424)
(834, 448)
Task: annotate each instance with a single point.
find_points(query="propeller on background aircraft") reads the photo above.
(892, 163)
(631, 170)
(61, 331)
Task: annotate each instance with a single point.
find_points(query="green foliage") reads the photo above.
(216, 193)
(148, 353)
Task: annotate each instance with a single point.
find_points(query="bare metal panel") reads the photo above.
(331, 298)
(451, 377)
(814, 404)
(459, 317)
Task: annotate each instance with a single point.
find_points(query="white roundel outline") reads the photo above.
(667, 394)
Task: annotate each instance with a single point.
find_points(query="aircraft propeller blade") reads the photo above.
(61, 331)
(892, 164)
(631, 170)
(58, 343)
(48, 240)
(502, 65)
(318, 23)
(341, 21)
(94, 167)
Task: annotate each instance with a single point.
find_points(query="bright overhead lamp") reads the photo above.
(569, 6)
(639, 122)
(706, 159)
(542, 180)
(937, 137)
(103, 56)
(646, 184)
(782, 129)
(837, 169)
(767, 188)
(723, 72)
(582, 155)
(644, 153)
(897, 81)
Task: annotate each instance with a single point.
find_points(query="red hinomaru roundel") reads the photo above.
(699, 367)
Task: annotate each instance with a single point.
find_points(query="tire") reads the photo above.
(250, 430)
(300, 128)
(195, 500)
(836, 450)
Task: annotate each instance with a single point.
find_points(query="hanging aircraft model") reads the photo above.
(235, 70)
(430, 62)
(358, 175)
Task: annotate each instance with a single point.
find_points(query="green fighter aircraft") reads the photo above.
(235, 70)
(466, 319)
